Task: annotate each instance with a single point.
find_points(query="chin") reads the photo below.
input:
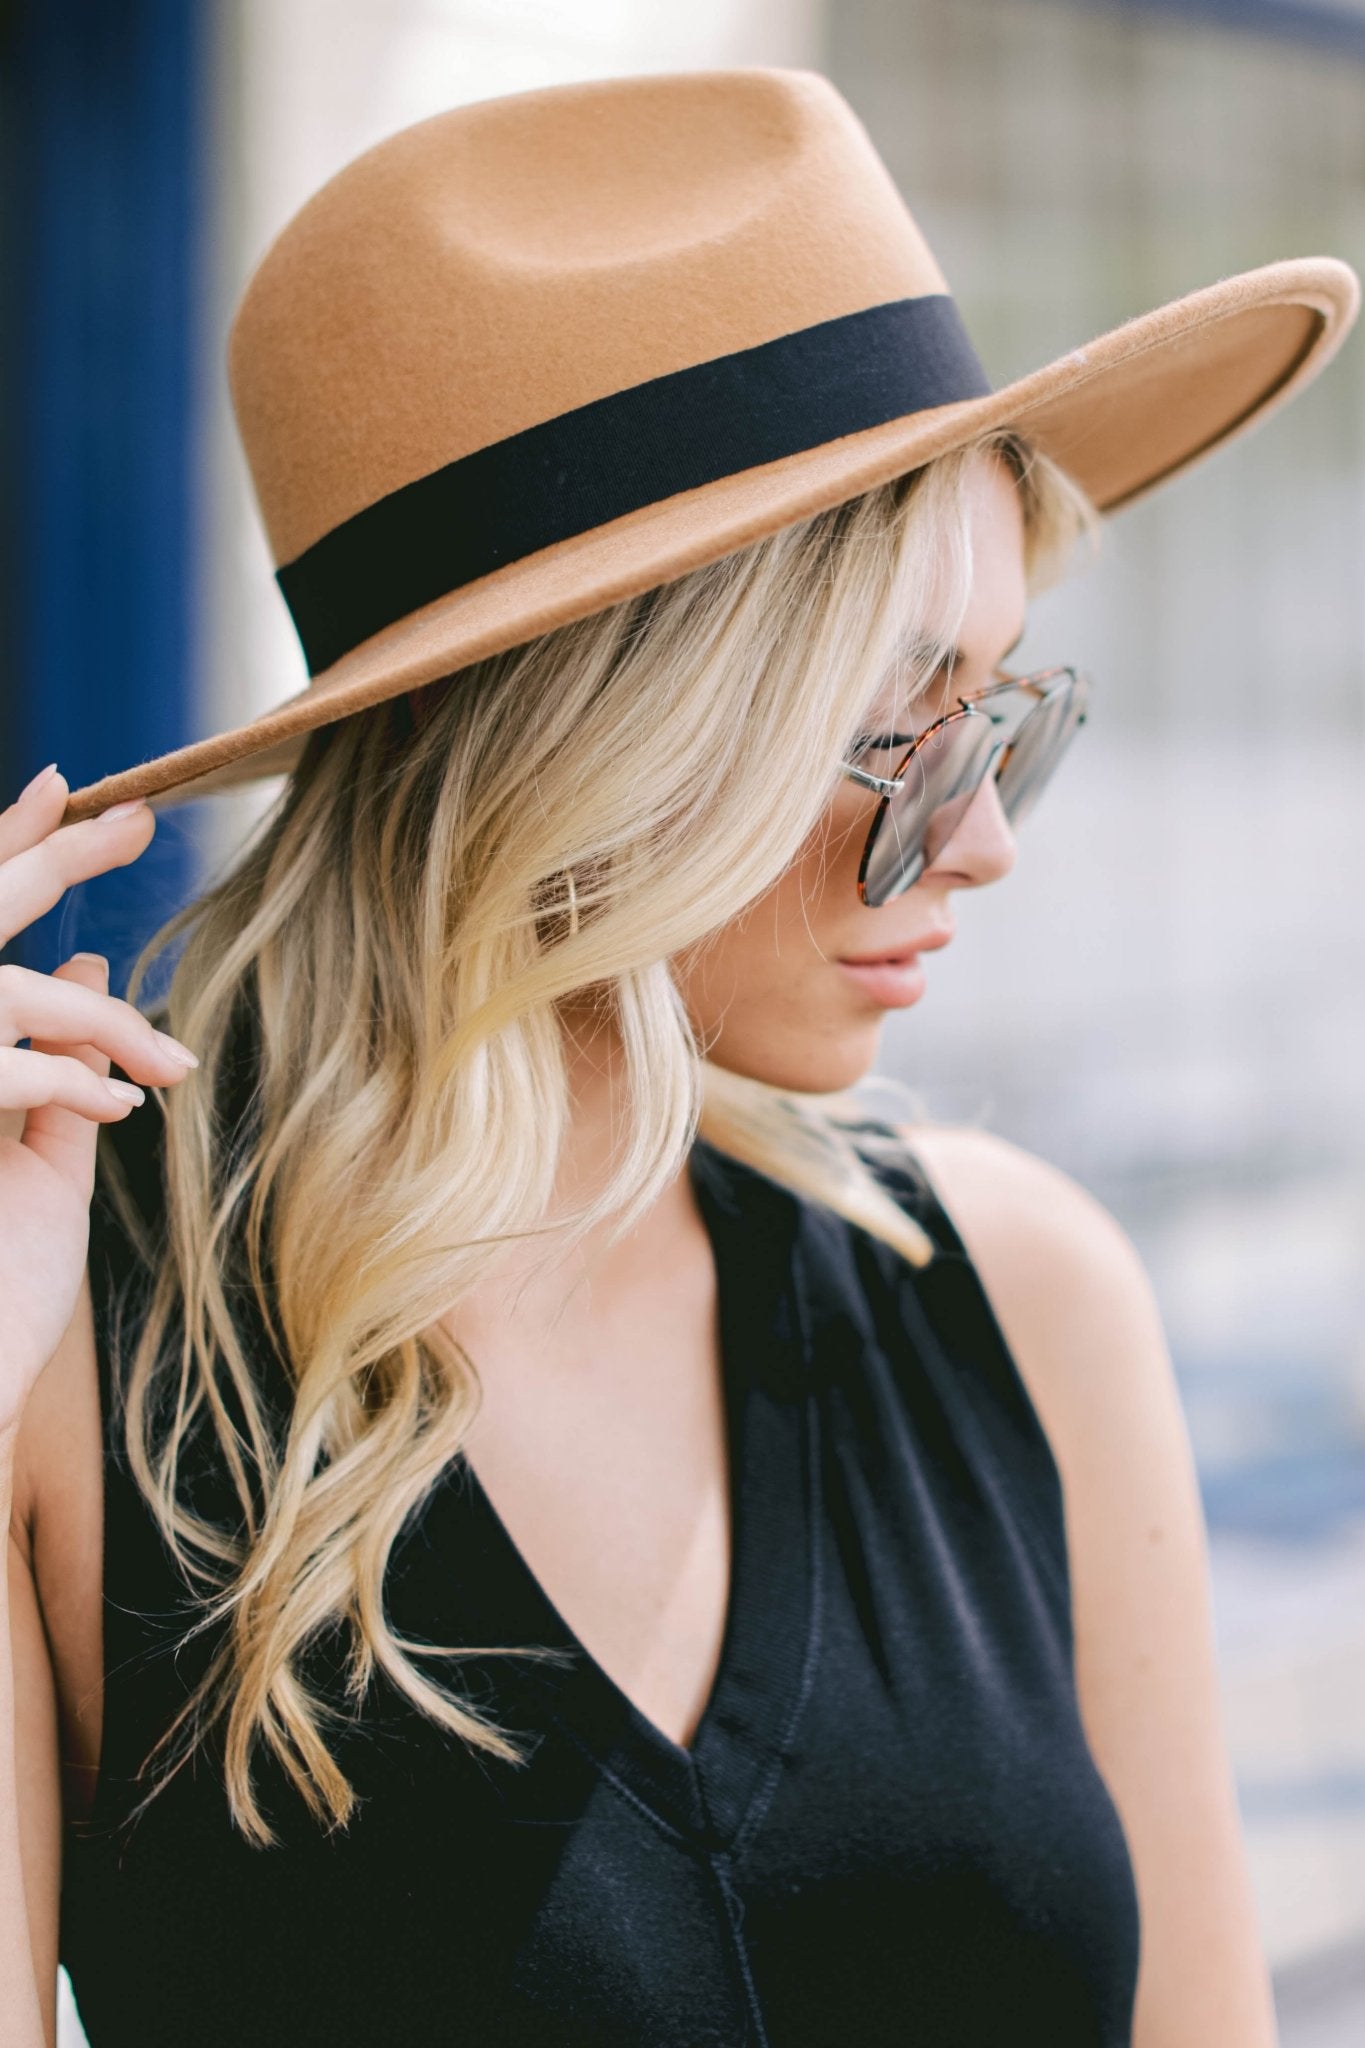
(810, 1069)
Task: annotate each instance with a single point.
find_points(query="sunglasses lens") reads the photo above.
(1041, 741)
(946, 770)
(942, 776)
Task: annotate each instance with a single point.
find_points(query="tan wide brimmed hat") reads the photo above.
(540, 353)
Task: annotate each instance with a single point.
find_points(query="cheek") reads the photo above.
(800, 921)
(786, 1019)
(822, 882)
(763, 994)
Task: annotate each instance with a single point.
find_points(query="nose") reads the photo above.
(980, 846)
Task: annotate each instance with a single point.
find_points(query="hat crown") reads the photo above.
(505, 262)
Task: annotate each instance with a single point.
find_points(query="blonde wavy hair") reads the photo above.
(392, 920)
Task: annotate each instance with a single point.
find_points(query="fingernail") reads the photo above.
(43, 775)
(176, 1050)
(137, 803)
(126, 1091)
(95, 959)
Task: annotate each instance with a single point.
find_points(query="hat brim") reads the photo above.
(1124, 414)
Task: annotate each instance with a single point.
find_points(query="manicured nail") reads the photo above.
(176, 1050)
(136, 803)
(43, 775)
(126, 1091)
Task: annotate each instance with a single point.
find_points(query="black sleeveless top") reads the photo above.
(889, 1827)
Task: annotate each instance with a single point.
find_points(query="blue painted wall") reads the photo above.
(103, 107)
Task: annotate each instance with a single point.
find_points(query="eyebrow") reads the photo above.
(922, 649)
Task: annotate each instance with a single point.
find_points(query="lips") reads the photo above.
(903, 954)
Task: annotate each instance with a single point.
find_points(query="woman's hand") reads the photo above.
(54, 1095)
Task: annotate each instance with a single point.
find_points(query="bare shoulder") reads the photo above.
(1065, 1281)
(1079, 1313)
(1018, 1204)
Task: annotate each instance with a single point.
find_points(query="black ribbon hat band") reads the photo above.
(636, 447)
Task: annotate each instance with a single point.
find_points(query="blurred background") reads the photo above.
(1167, 996)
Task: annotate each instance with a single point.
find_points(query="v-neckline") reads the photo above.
(709, 1787)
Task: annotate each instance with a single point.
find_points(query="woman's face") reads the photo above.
(770, 994)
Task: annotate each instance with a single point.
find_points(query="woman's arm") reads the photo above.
(54, 1628)
(1078, 1312)
(30, 1804)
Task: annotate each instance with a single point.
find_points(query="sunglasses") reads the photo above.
(1017, 729)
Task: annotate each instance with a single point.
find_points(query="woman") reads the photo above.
(532, 1516)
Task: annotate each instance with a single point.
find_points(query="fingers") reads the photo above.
(58, 1012)
(41, 859)
(56, 1093)
(62, 1091)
